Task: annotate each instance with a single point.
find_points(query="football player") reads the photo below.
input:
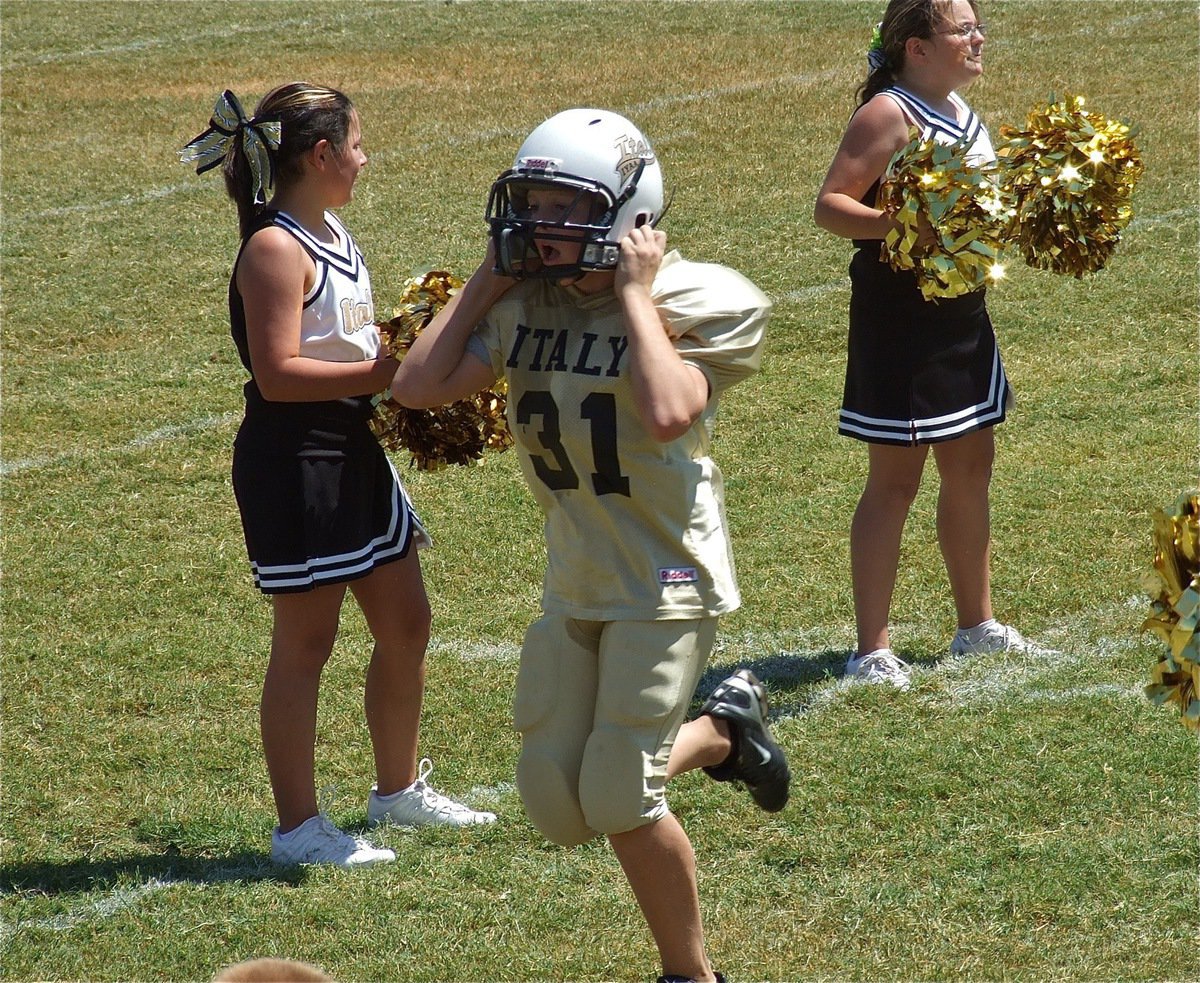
(616, 353)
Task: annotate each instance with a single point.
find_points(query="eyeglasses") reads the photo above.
(966, 31)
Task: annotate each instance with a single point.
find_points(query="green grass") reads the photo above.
(1005, 819)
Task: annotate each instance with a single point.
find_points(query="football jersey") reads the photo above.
(635, 529)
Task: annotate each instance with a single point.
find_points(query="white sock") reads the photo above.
(292, 832)
(393, 796)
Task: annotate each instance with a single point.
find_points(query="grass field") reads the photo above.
(1007, 818)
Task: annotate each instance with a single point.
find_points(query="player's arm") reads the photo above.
(873, 135)
(438, 369)
(273, 274)
(670, 394)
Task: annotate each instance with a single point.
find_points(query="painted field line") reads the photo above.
(814, 291)
(1015, 679)
(475, 651)
(1146, 12)
(144, 44)
(809, 663)
(163, 434)
(491, 794)
(104, 906)
(159, 436)
(1007, 677)
(466, 138)
(111, 903)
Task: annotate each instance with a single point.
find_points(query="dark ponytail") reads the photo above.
(902, 20)
(308, 114)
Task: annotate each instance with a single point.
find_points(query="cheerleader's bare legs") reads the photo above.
(893, 479)
(394, 603)
(963, 528)
(964, 524)
(302, 639)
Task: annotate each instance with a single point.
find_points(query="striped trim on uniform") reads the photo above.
(343, 255)
(317, 571)
(935, 126)
(935, 428)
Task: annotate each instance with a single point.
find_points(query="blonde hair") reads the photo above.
(308, 114)
(271, 971)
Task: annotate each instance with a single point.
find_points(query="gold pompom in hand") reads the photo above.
(455, 434)
(1071, 175)
(1174, 586)
(962, 202)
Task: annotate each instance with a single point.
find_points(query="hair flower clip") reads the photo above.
(876, 56)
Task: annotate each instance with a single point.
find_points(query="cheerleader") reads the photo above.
(920, 374)
(322, 509)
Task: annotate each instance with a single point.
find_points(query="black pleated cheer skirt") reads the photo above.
(917, 371)
(320, 501)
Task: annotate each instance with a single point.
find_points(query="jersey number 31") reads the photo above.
(600, 410)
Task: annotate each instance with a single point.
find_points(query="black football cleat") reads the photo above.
(756, 760)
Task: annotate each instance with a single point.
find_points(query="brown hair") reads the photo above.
(308, 114)
(902, 20)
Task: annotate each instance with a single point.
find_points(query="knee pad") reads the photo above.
(551, 800)
(619, 787)
(552, 710)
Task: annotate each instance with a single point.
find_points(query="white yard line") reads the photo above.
(103, 906)
(159, 436)
(466, 138)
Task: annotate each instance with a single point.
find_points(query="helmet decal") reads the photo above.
(539, 164)
(632, 150)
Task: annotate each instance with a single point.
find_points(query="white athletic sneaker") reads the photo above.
(319, 841)
(880, 666)
(991, 636)
(421, 805)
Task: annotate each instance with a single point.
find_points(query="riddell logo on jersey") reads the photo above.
(677, 575)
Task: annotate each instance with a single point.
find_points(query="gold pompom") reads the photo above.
(1070, 174)
(963, 203)
(455, 434)
(1174, 586)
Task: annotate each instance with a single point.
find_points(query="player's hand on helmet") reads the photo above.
(498, 284)
(641, 255)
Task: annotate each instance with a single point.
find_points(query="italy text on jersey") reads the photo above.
(563, 350)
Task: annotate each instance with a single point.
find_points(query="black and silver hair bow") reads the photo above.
(259, 138)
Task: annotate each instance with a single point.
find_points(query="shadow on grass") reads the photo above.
(791, 678)
(170, 867)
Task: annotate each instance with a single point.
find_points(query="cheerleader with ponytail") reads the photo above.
(323, 510)
(922, 374)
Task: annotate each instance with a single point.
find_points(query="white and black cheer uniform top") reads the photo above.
(319, 500)
(920, 371)
(337, 324)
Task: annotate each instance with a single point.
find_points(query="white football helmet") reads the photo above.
(606, 161)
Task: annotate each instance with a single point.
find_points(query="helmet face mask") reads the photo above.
(607, 181)
(584, 223)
